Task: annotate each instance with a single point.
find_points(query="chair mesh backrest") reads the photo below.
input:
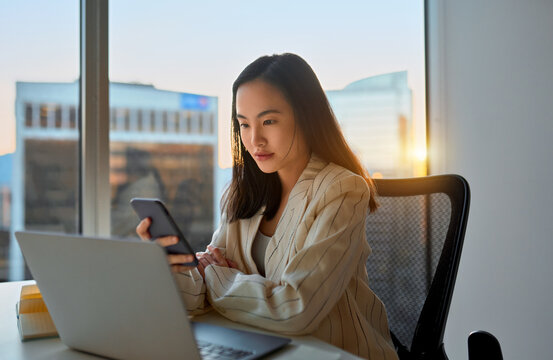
(408, 235)
(405, 255)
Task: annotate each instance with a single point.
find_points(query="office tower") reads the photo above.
(162, 144)
(375, 114)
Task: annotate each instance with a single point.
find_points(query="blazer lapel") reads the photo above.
(280, 246)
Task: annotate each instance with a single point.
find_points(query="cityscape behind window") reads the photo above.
(170, 95)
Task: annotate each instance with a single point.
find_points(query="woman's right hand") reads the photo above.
(175, 260)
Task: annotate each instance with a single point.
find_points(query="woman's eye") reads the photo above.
(243, 126)
(268, 122)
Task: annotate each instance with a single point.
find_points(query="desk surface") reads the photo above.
(12, 348)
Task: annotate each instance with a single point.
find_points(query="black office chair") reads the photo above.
(484, 346)
(417, 236)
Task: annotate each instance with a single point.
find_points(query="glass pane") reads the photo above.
(369, 57)
(39, 71)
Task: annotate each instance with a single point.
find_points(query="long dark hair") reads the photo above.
(251, 188)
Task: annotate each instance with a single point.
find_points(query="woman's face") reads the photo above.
(268, 129)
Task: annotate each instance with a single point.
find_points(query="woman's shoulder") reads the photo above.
(334, 177)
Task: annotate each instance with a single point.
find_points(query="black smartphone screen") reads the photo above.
(162, 225)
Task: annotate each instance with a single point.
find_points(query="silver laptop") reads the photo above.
(117, 298)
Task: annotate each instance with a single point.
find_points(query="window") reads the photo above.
(72, 117)
(39, 138)
(170, 111)
(28, 115)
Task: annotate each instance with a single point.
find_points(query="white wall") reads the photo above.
(491, 120)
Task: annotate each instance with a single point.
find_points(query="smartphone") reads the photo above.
(162, 225)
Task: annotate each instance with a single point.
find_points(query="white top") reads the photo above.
(258, 250)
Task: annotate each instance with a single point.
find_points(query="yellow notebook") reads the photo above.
(33, 318)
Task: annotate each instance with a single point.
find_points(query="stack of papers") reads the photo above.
(33, 318)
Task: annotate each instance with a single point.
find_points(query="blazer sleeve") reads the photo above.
(191, 284)
(315, 277)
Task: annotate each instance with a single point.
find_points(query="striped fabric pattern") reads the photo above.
(316, 281)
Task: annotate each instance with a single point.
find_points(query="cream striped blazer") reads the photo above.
(316, 281)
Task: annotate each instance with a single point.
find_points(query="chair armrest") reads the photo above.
(484, 346)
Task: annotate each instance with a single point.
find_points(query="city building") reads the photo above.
(375, 114)
(163, 144)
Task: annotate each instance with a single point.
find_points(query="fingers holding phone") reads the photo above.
(176, 261)
(142, 230)
(156, 223)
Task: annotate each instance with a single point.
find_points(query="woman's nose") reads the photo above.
(257, 137)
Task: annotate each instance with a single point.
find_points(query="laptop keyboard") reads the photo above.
(210, 351)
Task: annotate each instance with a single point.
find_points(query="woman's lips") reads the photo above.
(263, 156)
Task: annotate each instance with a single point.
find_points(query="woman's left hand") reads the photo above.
(213, 256)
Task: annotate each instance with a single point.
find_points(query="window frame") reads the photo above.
(94, 205)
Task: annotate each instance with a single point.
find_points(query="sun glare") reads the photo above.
(420, 154)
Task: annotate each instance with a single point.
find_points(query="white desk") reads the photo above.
(12, 348)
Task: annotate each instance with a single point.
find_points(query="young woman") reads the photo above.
(290, 253)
